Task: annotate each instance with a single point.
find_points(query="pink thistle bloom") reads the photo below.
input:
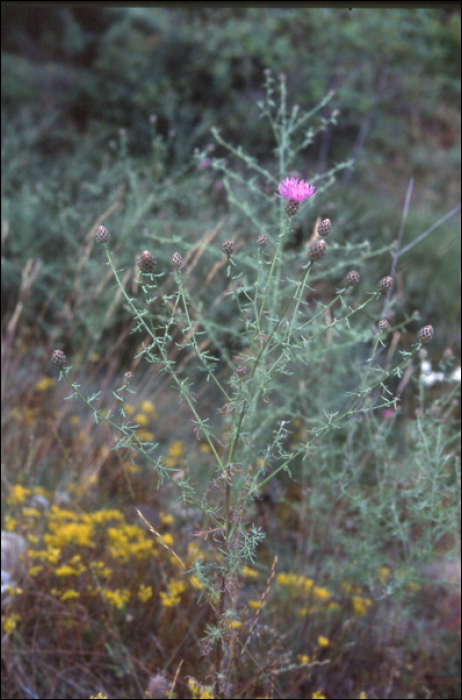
(295, 190)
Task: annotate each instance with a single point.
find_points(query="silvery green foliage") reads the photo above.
(312, 393)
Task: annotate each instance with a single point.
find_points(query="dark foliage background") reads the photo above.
(72, 78)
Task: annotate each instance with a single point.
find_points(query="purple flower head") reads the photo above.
(295, 190)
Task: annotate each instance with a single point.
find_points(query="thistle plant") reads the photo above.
(311, 335)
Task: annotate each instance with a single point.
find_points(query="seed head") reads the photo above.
(317, 250)
(58, 358)
(325, 228)
(385, 284)
(146, 261)
(352, 278)
(102, 235)
(262, 240)
(128, 376)
(228, 247)
(425, 334)
(177, 260)
(383, 324)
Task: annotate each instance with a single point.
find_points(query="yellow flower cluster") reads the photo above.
(144, 593)
(175, 454)
(129, 541)
(9, 622)
(304, 586)
(198, 691)
(360, 605)
(249, 573)
(116, 599)
(172, 598)
(44, 384)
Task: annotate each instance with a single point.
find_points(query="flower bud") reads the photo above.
(317, 250)
(292, 207)
(228, 247)
(425, 334)
(385, 284)
(325, 228)
(352, 278)
(102, 235)
(58, 358)
(177, 260)
(146, 261)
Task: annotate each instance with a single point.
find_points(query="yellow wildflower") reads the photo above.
(145, 435)
(321, 593)
(172, 598)
(11, 524)
(18, 494)
(323, 641)
(249, 573)
(44, 384)
(144, 593)
(360, 605)
(235, 624)
(141, 419)
(199, 692)
(10, 622)
(166, 519)
(116, 599)
(148, 407)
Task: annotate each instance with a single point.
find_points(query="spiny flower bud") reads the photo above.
(102, 235)
(325, 228)
(383, 324)
(146, 261)
(128, 376)
(177, 260)
(262, 240)
(352, 278)
(241, 370)
(317, 250)
(58, 358)
(386, 283)
(292, 207)
(228, 247)
(425, 334)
